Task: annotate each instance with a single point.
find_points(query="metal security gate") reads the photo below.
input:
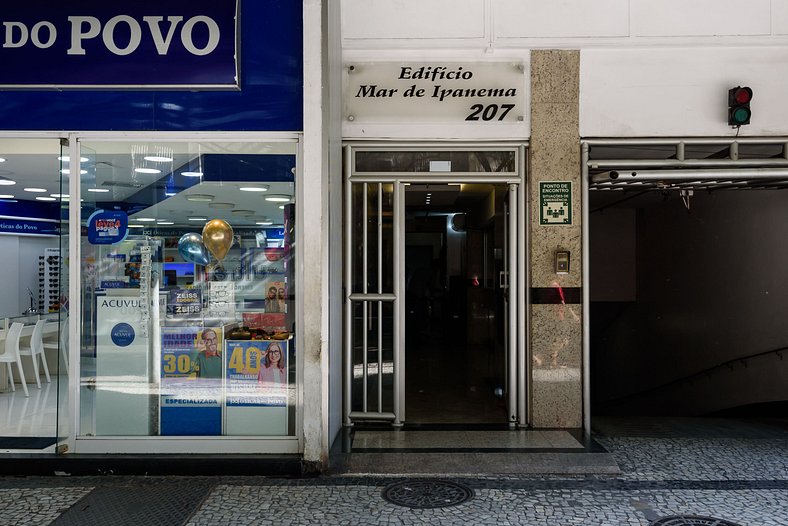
(376, 178)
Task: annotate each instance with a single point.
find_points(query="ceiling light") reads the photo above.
(281, 207)
(65, 159)
(98, 190)
(45, 199)
(222, 206)
(136, 226)
(254, 189)
(35, 190)
(199, 198)
(164, 223)
(145, 219)
(198, 219)
(170, 194)
(2, 159)
(243, 212)
(66, 171)
(158, 159)
(147, 170)
(6, 182)
(264, 223)
(191, 174)
(59, 195)
(6, 196)
(278, 198)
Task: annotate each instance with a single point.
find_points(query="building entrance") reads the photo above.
(434, 330)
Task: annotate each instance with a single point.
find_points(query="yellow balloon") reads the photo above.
(217, 236)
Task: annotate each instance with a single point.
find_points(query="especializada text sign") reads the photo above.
(179, 44)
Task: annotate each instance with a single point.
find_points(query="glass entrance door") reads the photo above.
(432, 314)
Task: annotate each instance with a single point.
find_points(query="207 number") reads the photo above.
(488, 113)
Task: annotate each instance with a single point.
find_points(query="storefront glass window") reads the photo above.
(188, 291)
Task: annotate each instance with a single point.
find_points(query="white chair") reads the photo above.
(11, 354)
(60, 343)
(36, 350)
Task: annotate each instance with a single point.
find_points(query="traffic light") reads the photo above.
(739, 105)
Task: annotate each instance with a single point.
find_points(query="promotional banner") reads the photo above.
(190, 400)
(256, 373)
(107, 227)
(122, 365)
(97, 44)
(29, 227)
(184, 303)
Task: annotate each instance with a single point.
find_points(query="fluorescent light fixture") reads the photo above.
(281, 207)
(198, 219)
(2, 159)
(147, 170)
(98, 190)
(165, 223)
(222, 206)
(170, 194)
(59, 195)
(243, 212)
(199, 198)
(136, 226)
(6, 182)
(264, 223)
(145, 219)
(275, 198)
(66, 159)
(35, 190)
(191, 174)
(6, 196)
(158, 159)
(254, 189)
(45, 199)
(66, 171)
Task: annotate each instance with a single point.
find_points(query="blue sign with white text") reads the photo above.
(107, 227)
(188, 44)
(29, 227)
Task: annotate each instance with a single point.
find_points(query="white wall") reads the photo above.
(680, 91)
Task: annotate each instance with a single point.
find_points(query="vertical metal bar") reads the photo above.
(74, 291)
(734, 151)
(506, 290)
(513, 294)
(399, 305)
(680, 151)
(524, 298)
(365, 287)
(586, 295)
(380, 303)
(348, 336)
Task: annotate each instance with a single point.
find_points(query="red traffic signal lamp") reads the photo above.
(739, 105)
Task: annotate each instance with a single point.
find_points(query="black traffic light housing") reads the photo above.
(739, 105)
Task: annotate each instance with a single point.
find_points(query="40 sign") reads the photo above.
(94, 44)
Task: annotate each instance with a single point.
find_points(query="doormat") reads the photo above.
(26, 442)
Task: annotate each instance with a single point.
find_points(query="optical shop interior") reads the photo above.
(186, 319)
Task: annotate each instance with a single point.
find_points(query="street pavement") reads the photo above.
(738, 477)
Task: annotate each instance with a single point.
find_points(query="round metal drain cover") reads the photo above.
(691, 520)
(427, 493)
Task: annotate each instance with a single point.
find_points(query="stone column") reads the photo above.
(556, 315)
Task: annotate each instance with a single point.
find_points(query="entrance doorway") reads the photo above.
(455, 322)
(434, 322)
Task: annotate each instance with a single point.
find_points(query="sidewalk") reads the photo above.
(737, 472)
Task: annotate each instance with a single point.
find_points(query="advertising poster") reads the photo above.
(107, 227)
(184, 303)
(122, 365)
(191, 381)
(256, 373)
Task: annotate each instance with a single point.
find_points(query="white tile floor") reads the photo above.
(33, 416)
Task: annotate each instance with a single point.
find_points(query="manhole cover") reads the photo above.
(427, 493)
(691, 520)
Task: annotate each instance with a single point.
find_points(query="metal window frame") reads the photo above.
(518, 260)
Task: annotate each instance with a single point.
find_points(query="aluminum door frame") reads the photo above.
(518, 362)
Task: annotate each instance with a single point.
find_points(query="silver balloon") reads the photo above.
(191, 248)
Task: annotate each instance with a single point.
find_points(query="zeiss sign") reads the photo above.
(98, 44)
